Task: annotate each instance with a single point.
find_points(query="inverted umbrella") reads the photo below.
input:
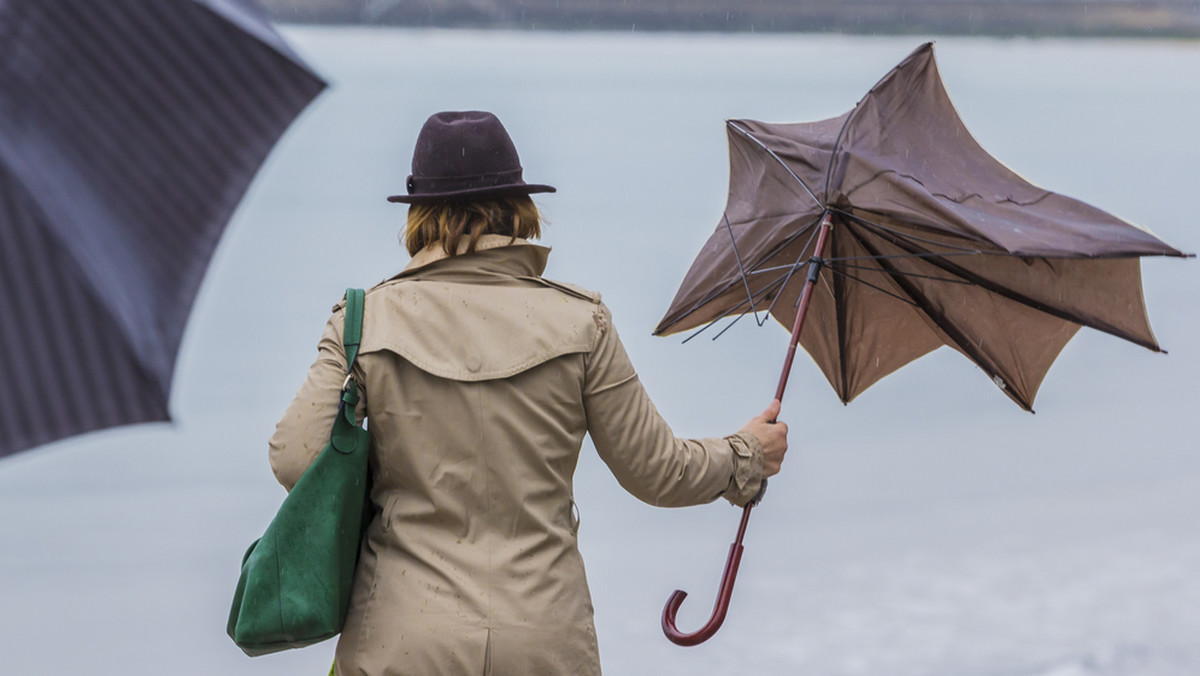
(894, 229)
(129, 131)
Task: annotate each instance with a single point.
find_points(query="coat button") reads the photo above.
(474, 364)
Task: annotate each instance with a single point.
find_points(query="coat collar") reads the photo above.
(493, 253)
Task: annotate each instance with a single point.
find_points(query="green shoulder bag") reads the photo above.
(296, 579)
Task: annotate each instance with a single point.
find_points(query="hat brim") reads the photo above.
(473, 194)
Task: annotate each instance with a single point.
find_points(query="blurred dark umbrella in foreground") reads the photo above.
(129, 131)
(899, 234)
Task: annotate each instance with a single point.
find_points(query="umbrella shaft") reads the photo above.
(814, 268)
(735, 550)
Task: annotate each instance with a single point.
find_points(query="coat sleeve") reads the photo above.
(304, 429)
(639, 447)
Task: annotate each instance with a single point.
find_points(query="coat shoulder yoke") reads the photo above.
(479, 324)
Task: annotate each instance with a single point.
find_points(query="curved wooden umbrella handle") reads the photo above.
(735, 550)
(724, 593)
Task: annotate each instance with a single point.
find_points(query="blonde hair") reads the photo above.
(446, 223)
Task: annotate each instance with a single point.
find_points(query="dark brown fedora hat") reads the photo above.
(465, 156)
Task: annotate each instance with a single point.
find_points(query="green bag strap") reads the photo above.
(352, 335)
(342, 436)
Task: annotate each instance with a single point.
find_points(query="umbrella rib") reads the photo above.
(917, 275)
(897, 233)
(766, 290)
(960, 339)
(858, 106)
(776, 268)
(794, 267)
(924, 254)
(753, 270)
(902, 299)
(747, 134)
(741, 268)
(778, 282)
(839, 306)
(987, 284)
(717, 293)
(730, 325)
(838, 141)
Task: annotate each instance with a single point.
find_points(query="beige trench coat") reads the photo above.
(479, 380)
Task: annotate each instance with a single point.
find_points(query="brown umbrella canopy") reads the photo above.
(933, 242)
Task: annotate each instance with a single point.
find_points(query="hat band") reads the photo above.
(420, 185)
